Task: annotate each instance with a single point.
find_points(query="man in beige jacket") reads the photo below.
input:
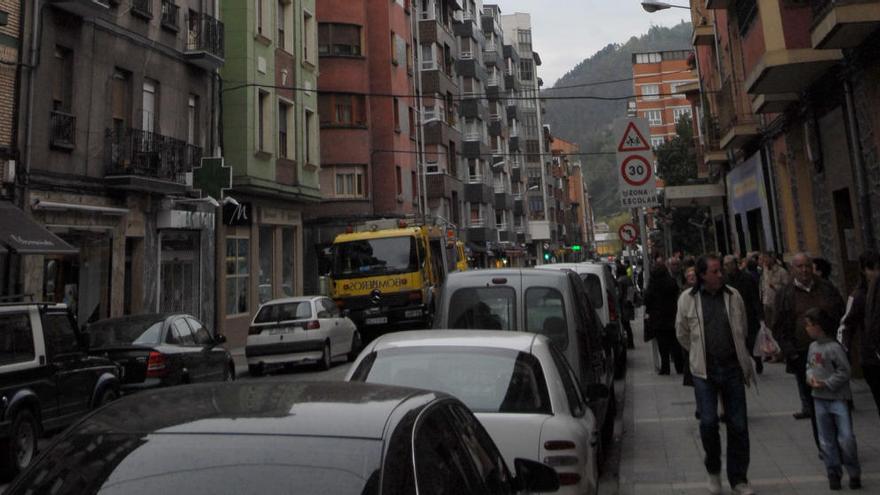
(711, 324)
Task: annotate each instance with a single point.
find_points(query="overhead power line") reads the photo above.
(612, 81)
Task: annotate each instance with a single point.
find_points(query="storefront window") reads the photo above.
(266, 245)
(180, 272)
(236, 276)
(288, 257)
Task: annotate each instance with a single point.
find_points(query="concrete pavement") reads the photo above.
(661, 451)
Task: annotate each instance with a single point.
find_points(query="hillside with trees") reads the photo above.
(589, 122)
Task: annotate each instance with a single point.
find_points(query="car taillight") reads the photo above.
(312, 325)
(568, 479)
(254, 330)
(612, 309)
(559, 445)
(157, 365)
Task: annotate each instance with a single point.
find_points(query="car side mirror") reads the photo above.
(220, 339)
(532, 476)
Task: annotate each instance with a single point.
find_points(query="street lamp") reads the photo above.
(652, 7)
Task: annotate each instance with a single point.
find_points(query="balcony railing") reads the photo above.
(466, 55)
(475, 178)
(732, 110)
(62, 133)
(147, 154)
(170, 14)
(205, 34)
(494, 81)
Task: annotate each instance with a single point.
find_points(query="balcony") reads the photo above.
(843, 23)
(170, 16)
(443, 185)
(204, 42)
(736, 121)
(717, 4)
(144, 161)
(479, 231)
(479, 192)
(790, 70)
(503, 200)
(82, 8)
(703, 35)
(62, 131)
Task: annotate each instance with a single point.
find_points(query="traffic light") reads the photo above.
(546, 256)
(576, 247)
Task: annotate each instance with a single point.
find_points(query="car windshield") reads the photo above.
(270, 313)
(145, 330)
(485, 379)
(127, 464)
(369, 257)
(483, 308)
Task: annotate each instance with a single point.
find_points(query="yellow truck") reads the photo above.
(388, 278)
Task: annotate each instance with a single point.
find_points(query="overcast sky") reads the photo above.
(564, 32)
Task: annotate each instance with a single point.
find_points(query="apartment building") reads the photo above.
(525, 108)
(9, 53)
(657, 77)
(118, 105)
(790, 90)
(271, 140)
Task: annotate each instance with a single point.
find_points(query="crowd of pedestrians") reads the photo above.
(717, 321)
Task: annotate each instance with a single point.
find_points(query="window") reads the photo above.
(59, 334)
(339, 109)
(149, 96)
(396, 110)
(288, 260)
(677, 113)
(309, 37)
(650, 91)
(350, 182)
(192, 120)
(310, 138)
(120, 95)
(262, 17)
(545, 314)
(263, 125)
(398, 50)
(237, 259)
(673, 89)
(284, 21)
(656, 141)
(202, 335)
(17, 342)
(487, 308)
(412, 122)
(339, 39)
(398, 176)
(746, 11)
(655, 117)
(429, 57)
(267, 255)
(285, 124)
(62, 83)
(415, 186)
(648, 58)
(409, 58)
(181, 333)
(526, 70)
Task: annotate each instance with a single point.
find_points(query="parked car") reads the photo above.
(602, 290)
(548, 302)
(269, 437)
(158, 350)
(308, 329)
(47, 380)
(517, 384)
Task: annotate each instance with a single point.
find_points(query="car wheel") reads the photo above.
(256, 370)
(22, 443)
(326, 357)
(107, 396)
(355, 346)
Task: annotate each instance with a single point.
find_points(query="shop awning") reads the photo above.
(21, 234)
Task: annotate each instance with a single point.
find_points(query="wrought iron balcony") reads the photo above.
(142, 160)
(204, 41)
(62, 132)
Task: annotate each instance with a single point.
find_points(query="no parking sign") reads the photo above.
(628, 233)
(635, 161)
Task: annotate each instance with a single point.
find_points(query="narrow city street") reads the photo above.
(661, 451)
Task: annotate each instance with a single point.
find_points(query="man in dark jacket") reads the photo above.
(747, 287)
(870, 341)
(805, 291)
(661, 303)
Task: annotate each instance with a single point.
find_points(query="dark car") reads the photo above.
(280, 437)
(161, 349)
(47, 380)
(548, 302)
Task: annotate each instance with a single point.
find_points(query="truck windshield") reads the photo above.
(369, 257)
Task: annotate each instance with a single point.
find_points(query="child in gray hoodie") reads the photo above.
(828, 373)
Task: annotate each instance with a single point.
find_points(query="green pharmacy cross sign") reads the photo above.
(212, 178)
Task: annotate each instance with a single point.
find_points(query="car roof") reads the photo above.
(575, 267)
(478, 276)
(141, 318)
(291, 300)
(332, 409)
(516, 341)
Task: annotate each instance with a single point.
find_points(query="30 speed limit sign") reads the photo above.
(635, 161)
(628, 233)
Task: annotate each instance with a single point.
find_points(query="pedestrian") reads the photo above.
(870, 336)
(747, 286)
(805, 291)
(828, 374)
(660, 307)
(676, 271)
(773, 277)
(822, 268)
(627, 304)
(711, 324)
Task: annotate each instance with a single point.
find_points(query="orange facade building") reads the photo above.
(657, 77)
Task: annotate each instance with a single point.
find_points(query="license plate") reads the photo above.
(376, 321)
(413, 313)
(276, 331)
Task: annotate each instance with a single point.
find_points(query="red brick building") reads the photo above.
(657, 78)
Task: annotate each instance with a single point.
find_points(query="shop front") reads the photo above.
(751, 225)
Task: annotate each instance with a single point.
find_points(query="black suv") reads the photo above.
(47, 379)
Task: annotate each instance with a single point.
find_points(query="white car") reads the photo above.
(518, 385)
(308, 329)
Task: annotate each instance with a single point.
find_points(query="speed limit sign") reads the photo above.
(628, 233)
(635, 160)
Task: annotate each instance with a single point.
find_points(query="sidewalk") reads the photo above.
(661, 451)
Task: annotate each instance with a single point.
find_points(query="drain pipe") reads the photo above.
(29, 102)
(858, 163)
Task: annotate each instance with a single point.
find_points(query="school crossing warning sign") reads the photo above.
(635, 164)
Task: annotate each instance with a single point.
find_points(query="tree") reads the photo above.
(676, 158)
